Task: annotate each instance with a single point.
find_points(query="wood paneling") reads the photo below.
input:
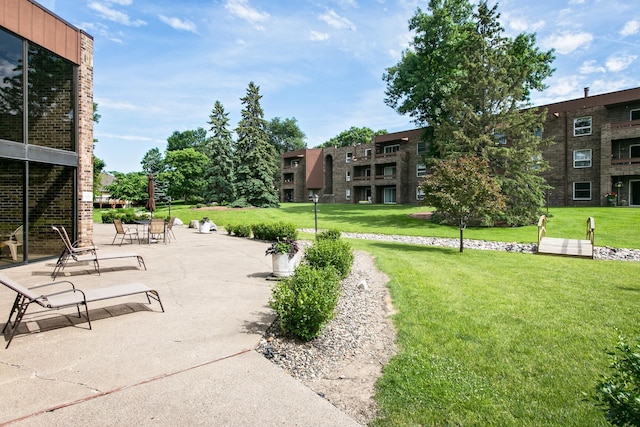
(32, 22)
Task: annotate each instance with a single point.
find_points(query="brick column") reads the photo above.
(85, 139)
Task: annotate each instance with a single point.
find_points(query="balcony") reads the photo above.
(629, 161)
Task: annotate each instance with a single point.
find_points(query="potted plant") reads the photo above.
(611, 198)
(205, 225)
(284, 256)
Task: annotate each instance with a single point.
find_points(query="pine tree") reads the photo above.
(254, 156)
(220, 173)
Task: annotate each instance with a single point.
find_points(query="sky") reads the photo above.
(160, 65)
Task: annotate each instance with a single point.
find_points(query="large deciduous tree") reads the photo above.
(185, 173)
(220, 174)
(472, 85)
(254, 157)
(195, 139)
(285, 135)
(462, 189)
(130, 186)
(353, 136)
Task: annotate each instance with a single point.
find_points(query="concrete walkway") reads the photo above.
(192, 365)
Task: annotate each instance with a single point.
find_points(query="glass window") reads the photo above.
(51, 100)
(419, 193)
(422, 147)
(367, 152)
(421, 170)
(349, 156)
(11, 84)
(582, 126)
(347, 194)
(389, 195)
(348, 176)
(635, 114)
(500, 138)
(581, 191)
(582, 158)
(391, 149)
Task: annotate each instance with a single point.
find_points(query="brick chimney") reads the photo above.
(586, 92)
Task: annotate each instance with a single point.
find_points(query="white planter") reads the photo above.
(283, 266)
(205, 227)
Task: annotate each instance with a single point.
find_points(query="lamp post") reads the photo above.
(315, 211)
(169, 206)
(618, 187)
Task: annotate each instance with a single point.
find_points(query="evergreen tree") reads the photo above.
(472, 85)
(254, 156)
(220, 173)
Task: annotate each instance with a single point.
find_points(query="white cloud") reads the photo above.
(576, 1)
(97, 28)
(318, 36)
(336, 21)
(179, 24)
(524, 25)
(569, 42)
(630, 28)
(619, 62)
(115, 15)
(242, 10)
(121, 2)
(590, 67)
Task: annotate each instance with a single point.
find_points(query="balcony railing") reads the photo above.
(628, 161)
(625, 125)
(386, 176)
(362, 178)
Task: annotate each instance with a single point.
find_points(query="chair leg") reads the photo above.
(21, 310)
(13, 248)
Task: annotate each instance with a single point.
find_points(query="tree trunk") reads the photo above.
(461, 238)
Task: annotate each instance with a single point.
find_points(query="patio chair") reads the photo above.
(124, 232)
(15, 240)
(157, 227)
(86, 254)
(170, 228)
(66, 295)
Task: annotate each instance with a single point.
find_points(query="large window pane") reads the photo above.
(11, 82)
(12, 202)
(51, 195)
(51, 100)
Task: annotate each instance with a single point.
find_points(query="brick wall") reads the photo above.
(85, 138)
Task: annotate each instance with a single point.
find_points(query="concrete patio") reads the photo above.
(194, 364)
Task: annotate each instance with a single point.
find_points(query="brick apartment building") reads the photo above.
(596, 151)
(46, 130)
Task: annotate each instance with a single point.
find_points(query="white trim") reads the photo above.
(348, 157)
(590, 190)
(387, 149)
(582, 160)
(583, 129)
(418, 170)
(635, 110)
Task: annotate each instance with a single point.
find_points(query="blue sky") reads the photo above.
(160, 65)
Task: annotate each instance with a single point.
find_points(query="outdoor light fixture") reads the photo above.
(618, 186)
(315, 210)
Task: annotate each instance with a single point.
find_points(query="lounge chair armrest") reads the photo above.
(54, 283)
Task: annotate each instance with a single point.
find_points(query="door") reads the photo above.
(390, 195)
(634, 193)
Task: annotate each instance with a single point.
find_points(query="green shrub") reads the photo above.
(242, 230)
(126, 215)
(306, 301)
(239, 203)
(619, 392)
(274, 231)
(334, 253)
(333, 234)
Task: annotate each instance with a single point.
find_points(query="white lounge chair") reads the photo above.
(69, 296)
(86, 253)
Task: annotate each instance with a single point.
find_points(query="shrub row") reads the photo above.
(306, 301)
(274, 231)
(264, 231)
(126, 215)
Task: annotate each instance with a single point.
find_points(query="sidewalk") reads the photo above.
(192, 365)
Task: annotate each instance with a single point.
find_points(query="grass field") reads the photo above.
(615, 227)
(488, 338)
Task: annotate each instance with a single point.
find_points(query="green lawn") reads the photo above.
(493, 338)
(488, 338)
(615, 227)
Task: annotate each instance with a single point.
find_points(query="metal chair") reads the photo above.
(124, 232)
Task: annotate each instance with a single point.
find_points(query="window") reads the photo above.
(391, 149)
(390, 195)
(367, 152)
(422, 147)
(419, 193)
(348, 176)
(538, 133)
(582, 126)
(389, 172)
(582, 158)
(500, 138)
(581, 191)
(421, 171)
(635, 114)
(347, 194)
(349, 156)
